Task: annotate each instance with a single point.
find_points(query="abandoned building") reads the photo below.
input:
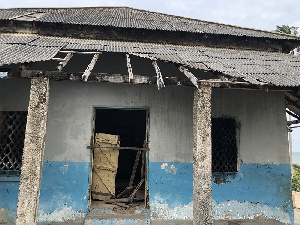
(115, 115)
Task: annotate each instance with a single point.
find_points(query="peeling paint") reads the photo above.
(61, 214)
(230, 210)
(7, 216)
(163, 166)
(173, 169)
(64, 168)
(161, 210)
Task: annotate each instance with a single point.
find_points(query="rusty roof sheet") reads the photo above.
(127, 17)
(253, 66)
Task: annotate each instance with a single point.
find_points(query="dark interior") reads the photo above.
(130, 125)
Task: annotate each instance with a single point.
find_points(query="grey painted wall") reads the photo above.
(71, 109)
(14, 94)
(261, 114)
(263, 123)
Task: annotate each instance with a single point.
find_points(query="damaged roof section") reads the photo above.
(126, 17)
(252, 66)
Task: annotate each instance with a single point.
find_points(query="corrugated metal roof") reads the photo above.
(132, 18)
(253, 66)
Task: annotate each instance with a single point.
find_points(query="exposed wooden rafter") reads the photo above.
(160, 81)
(64, 62)
(189, 75)
(129, 67)
(139, 79)
(90, 67)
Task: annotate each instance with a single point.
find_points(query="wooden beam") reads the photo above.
(32, 160)
(189, 75)
(202, 155)
(140, 79)
(90, 67)
(130, 74)
(102, 77)
(64, 62)
(160, 81)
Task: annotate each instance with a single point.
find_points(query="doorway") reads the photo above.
(127, 156)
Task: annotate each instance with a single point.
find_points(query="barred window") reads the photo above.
(12, 134)
(224, 145)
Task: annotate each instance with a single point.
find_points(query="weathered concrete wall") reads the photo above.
(261, 188)
(66, 168)
(263, 123)
(71, 112)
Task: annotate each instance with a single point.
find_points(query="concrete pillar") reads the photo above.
(202, 168)
(34, 145)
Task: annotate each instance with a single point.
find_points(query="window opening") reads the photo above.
(224, 145)
(129, 127)
(12, 134)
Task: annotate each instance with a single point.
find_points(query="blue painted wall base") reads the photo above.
(256, 191)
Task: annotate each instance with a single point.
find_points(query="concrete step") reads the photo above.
(100, 216)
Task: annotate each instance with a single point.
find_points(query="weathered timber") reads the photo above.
(130, 74)
(202, 156)
(136, 189)
(32, 160)
(64, 62)
(102, 77)
(189, 75)
(160, 80)
(139, 79)
(90, 67)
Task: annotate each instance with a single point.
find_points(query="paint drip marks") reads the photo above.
(171, 169)
(61, 214)
(230, 210)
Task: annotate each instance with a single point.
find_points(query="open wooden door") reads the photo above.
(105, 165)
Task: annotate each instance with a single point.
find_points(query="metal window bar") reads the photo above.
(224, 145)
(12, 134)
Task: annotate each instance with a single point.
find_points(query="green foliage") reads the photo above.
(287, 29)
(296, 178)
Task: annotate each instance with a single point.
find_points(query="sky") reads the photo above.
(258, 14)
